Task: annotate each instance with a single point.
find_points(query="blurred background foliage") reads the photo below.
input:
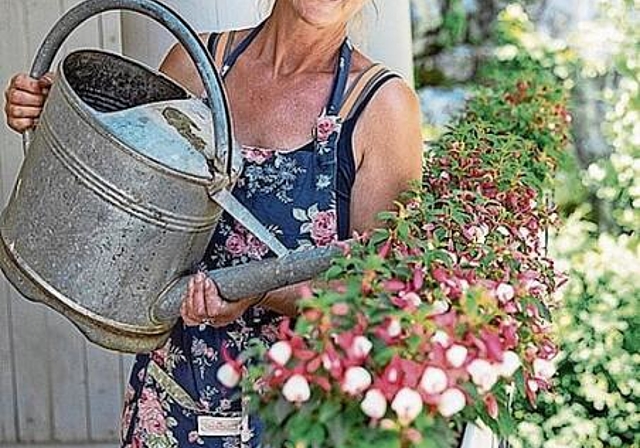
(591, 48)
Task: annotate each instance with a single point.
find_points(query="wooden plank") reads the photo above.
(110, 32)
(105, 394)
(100, 445)
(30, 332)
(68, 380)
(10, 156)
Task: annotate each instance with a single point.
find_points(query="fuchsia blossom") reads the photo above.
(467, 245)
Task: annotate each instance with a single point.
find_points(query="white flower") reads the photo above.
(451, 402)
(356, 380)
(543, 369)
(374, 404)
(296, 389)
(483, 374)
(280, 353)
(361, 347)
(228, 375)
(413, 298)
(457, 355)
(434, 380)
(442, 338)
(407, 405)
(505, 292)
(510, 363)
(394, 329)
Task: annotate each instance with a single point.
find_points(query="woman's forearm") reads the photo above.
(285, 300)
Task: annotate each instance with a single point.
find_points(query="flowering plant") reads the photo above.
(441, 317)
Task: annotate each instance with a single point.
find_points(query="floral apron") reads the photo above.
(174, 398)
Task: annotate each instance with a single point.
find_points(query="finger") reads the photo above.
(27, 83)
(199, 306)
(21, 124)
(24, 111)
(187, 303)
(211, 298)
(24, 98)
(47, 80)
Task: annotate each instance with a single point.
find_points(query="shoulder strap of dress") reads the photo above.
(362, 87)
(220, 45)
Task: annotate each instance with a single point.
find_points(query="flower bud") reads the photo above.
(451, 402)
(280, 353)
(296, 389)
(457, 355)
(356, 380)
(434, 380)
(543, 369)
(407, 405)
(374, 404)
(394, 329)
(483, 374)
(361, 347)
(510, 364)
(228, 375)
(505, 292)
(442, 338)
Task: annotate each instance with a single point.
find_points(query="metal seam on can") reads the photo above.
(153, 215)
(49, 290)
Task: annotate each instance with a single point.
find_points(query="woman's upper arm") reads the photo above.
(178, 66)
(389, 138)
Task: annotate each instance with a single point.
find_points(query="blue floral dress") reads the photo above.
(174, 398)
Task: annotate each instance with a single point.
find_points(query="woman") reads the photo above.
(329, 140)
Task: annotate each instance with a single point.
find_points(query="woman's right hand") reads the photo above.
(25, 97)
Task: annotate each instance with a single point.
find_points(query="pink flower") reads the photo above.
(374, 404)
(256, 248)
(505, 292)
(510, 364)
(457, 355)
(451, 402)
(407, 405)
(434, 380)
(543, 369)
(491, 404)
(296, 389)
(256, 155)
(326, 126)
(356, 380)
(324, 228)
(360, 348)
(483, 374)
(280, 353)
(151, 414)
(229, 375)
(236, 245)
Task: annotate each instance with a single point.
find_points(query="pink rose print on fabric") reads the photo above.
(257, 249)
(241, 243)
(256, 155)
(236, 245)
(324, 228)
(325, 126)
(151, 414)
(321, 225)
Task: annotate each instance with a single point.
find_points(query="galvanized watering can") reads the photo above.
(105, 233)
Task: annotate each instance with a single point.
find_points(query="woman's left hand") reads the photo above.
(203, 305)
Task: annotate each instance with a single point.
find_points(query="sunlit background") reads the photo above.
(593, 48)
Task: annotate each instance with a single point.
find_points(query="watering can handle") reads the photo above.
(186, 36)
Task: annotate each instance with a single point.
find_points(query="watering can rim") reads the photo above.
(89, 115)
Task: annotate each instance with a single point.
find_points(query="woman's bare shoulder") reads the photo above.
(178, 65)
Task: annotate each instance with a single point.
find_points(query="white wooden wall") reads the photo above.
(55, 388)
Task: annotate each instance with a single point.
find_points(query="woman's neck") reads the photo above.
(291, 45)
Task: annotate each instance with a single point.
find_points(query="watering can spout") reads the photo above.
(249, 280)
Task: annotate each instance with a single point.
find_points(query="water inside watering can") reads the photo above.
(174, 133)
